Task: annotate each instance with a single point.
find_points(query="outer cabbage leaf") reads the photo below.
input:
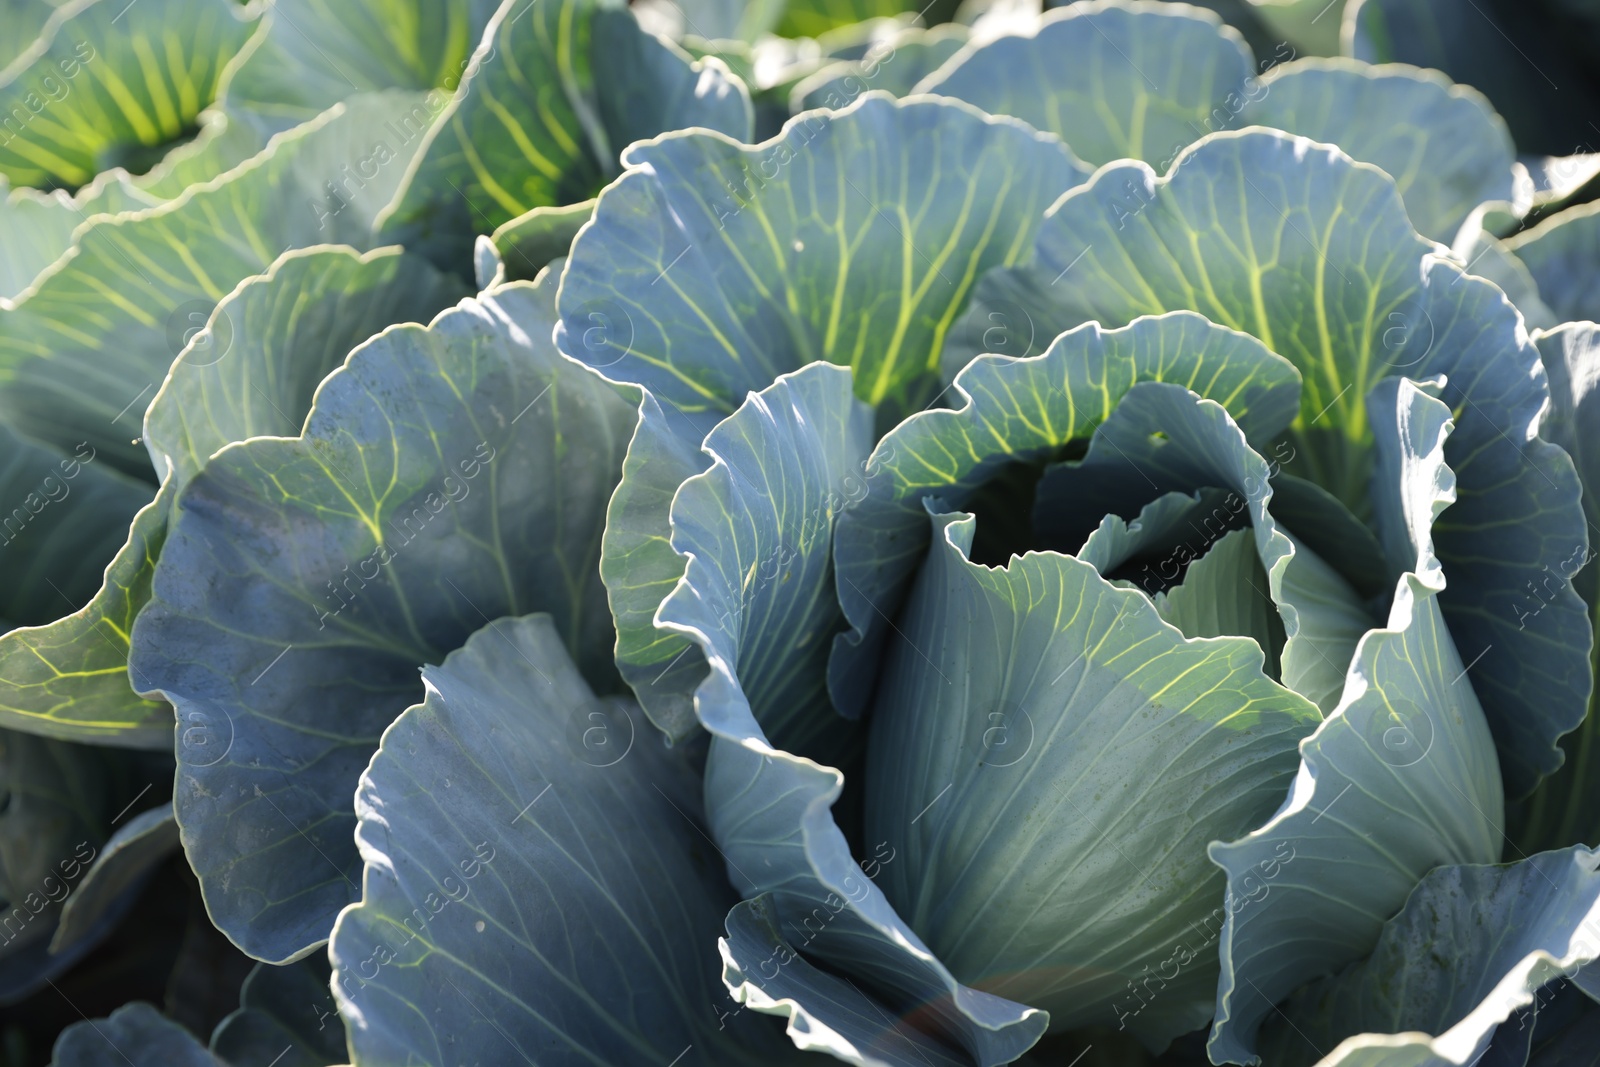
(1018, 865)
(551, 98)
(1020, 410)
(1442, 143)
(108, 84)
(757, 598)
(710, 268)
(1400, 779)
(277, 1007)
(249, 369)
(825, 1013)
(1472, 946)
(36, 227)
(1144, 80)
(1563, 254)
(135, 1035)
(1114, 79)
(130, 283)
(528, 243)
(446, 475)
(1566, 807)
(144, 841)
(523, 899)
(315, 54)
(1312, 253)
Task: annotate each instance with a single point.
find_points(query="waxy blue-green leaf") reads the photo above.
(1114, 79)
(315, 54)
(1163, 438)
(82, 354)
(1472, 946)
(251, 367)
(757, 532)
(1224, 594)
(122, 864)
(248, 370)
(64, 512)
(710, 268)
(524, 899)
(288, 1012)
(528, 243)
(1566, 806)
(446, 475)
(1121, 739)
(552, 96)
(1145, 80)
(1024, 409)
(36, 227)
(757, 600)
(1442, 143)
(110, 84)
(135, 1035)
(825, 1013)
(1563, 255)
(724, 265)
(1312, 252)
(1399, 779)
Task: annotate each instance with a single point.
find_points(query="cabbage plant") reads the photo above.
(701, 533)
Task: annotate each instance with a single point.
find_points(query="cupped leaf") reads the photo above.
(316, 54)
(1566, 806)
(1563, 255)
(445, 475)
(141, 843)
(757, 530)
(710, 268)
(528, 243)
(1036, 729)
(1163, 438)
(1472, 946)
(130, 284)
(1442, 143)
(287, 1012)
(854, 237)
(110, 84)
(1020, 408)
(249, 369)
(535, 902)
(69, 679)
(1115, 80)
(757, 600)
(1144, 80)
(1399, 779)
(1224, 594)
(36, 227)
(552, 96)
(252, 364)
(825, 1013)
(1312, 253)
(135, 1035)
